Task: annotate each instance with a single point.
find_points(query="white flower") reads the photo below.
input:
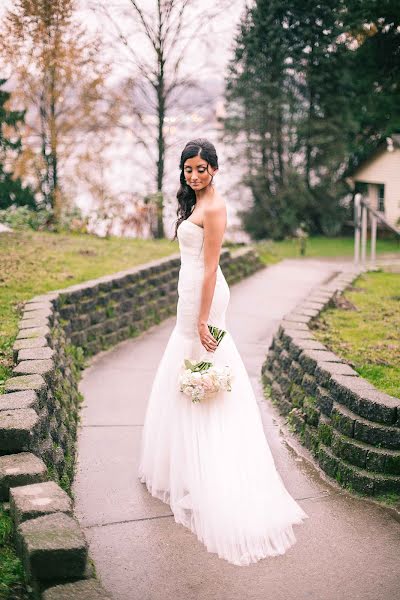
(201, 384)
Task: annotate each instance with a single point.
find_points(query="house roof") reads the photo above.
(387, 143)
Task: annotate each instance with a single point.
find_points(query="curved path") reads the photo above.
(348, 548)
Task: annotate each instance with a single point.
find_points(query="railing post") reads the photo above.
(362, 214)
(373, 237)
(364, 227)
(357, 206)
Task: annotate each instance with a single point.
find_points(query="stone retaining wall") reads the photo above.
(351, 428)
(39, 412)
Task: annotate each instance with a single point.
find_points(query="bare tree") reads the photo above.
(156, 43)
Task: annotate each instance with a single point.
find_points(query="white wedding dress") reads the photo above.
(210, 461)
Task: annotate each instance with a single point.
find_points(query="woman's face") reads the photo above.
(196, 173)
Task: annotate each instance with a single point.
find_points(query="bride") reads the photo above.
(210, 461)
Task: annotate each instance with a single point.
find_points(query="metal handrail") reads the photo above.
(361, 211)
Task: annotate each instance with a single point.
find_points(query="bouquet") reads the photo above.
(200, 380)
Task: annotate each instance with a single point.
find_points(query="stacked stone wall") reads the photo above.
(351, 428)
(39, 412)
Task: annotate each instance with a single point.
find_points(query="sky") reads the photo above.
(206, 58)
(220, 31)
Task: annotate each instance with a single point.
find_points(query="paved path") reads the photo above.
(348, 548)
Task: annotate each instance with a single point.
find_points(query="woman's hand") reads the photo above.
(207, 340)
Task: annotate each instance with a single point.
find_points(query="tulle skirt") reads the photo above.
(210, 461)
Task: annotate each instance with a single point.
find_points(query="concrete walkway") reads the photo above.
(348, 548)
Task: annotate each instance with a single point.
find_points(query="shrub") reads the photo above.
(23, 217)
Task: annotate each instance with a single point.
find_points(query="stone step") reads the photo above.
(43, 367)
(354, 426)
(89, 589)
(294, 317)
(362, 398)
(278, 397)
(319, 296)
(297, 345)
(38, 499)
(284, 382)
(28, 367)
(359, 480)
(285, 360)
(15, 400)
(295, 325)
(33, 306)
(308, 359)
(267, 377)
(295, 372)
(324, 400)
(27, 343)
(32, 312)
(45, 449)
(35, 353)
(309, 311)
(269, 359)
(314, 304)
(52, 547)
(365, 456)
(18, 430)
(33, 332)
(28, 322)
(26, 382)
(325, 371)
(287, 333)
(20, 469)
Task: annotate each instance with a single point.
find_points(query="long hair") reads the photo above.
(186, 195)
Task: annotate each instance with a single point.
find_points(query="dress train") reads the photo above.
(210, 461)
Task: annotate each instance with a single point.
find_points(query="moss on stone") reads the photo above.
(325, 433)
(310, 410)
(297, 395)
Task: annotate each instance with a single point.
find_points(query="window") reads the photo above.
(381, 198)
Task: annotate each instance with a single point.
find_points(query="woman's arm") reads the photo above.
(214, 222)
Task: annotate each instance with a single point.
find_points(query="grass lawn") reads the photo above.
(367, 332)
(12, 580)
(33, 263)
(318, 246)
(36, 262)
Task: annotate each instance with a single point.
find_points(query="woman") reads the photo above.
(210, 460)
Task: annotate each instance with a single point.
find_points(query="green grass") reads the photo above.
(33, 263)
(389, 499)
(318, 247)
(12, 581)
(369, 336)
(36, 262)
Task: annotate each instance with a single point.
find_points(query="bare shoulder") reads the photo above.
(215, 212)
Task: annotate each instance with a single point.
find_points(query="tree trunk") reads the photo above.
(161, 100)
(308, 142)
(55, 192)
(279, 148)
(310, 119)
(160, 164)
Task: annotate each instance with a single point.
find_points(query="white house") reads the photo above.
(377, 178)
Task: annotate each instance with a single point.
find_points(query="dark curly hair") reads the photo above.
(186, 195)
